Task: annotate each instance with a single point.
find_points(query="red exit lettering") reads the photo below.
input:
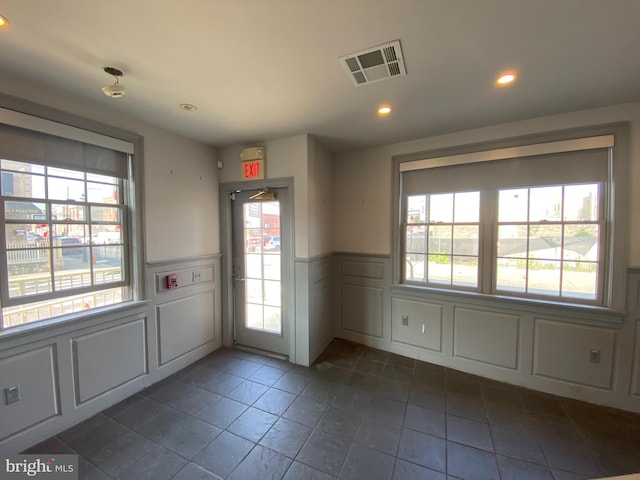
(252, 170)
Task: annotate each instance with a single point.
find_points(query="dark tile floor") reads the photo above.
(358, 413)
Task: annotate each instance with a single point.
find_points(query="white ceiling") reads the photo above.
(265, 69)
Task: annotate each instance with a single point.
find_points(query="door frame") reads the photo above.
(288, 263)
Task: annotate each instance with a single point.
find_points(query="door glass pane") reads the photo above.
(271, 264)
(254, 291)
(263, 293)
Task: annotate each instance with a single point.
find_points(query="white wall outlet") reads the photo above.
(405, 320)
(594, 356)
(12, 394)
(196, 276)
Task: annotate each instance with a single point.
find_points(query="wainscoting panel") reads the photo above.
(184, 325)
(545, 347)
(567, 352)
(321, 304)
(363, 299)
(418, 324)
(188, 319)
(361, 310)
(35, 373)
(363, 269)
(486, 337)
(108, 358)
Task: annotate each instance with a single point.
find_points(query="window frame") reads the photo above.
(616, 213)
(51, 247)
(20, 113)
(427, 225)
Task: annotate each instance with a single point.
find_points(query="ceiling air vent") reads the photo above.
(375, 64)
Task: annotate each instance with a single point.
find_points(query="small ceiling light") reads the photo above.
(506, 78)
(188, 107)
(116, 90)
(384, 110)
(3, 21)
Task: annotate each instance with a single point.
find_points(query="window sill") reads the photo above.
(587, 312)
(67, 323)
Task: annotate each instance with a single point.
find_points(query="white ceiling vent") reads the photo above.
(375, 64)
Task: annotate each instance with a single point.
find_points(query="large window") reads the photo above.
(532, 226)
(64, 210)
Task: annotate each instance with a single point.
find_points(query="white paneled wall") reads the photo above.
(486, 336)
(33, 369)
(587, 355)
(71, 371)
(562, 351)
(99, 369)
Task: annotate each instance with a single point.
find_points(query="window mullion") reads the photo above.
(488, 235)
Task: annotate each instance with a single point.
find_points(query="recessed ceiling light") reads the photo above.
(506, 78)
(3, 21)
(188, 107)
(384, 110)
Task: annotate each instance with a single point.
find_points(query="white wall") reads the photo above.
(181, 198)
(363, 179)
(320, 214)
(181, 178)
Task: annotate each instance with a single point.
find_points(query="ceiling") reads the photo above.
(264, 69)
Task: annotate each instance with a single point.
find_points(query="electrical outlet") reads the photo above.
(12, 394)
(405, 320)
(196, 276)
(594, 356)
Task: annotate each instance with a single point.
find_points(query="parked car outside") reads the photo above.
(273, 243)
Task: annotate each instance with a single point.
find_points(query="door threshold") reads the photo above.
(258, 351)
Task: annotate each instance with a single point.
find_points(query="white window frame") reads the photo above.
(614, 137)
(19, 113)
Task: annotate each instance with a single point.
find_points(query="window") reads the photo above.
(533, 226)
(65, 211)
(442, 238)
(548, 241)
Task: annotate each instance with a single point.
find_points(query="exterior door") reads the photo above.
(260, 250)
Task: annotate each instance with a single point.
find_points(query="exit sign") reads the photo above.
(252, 170)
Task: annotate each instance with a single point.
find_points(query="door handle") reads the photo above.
(238, 279)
